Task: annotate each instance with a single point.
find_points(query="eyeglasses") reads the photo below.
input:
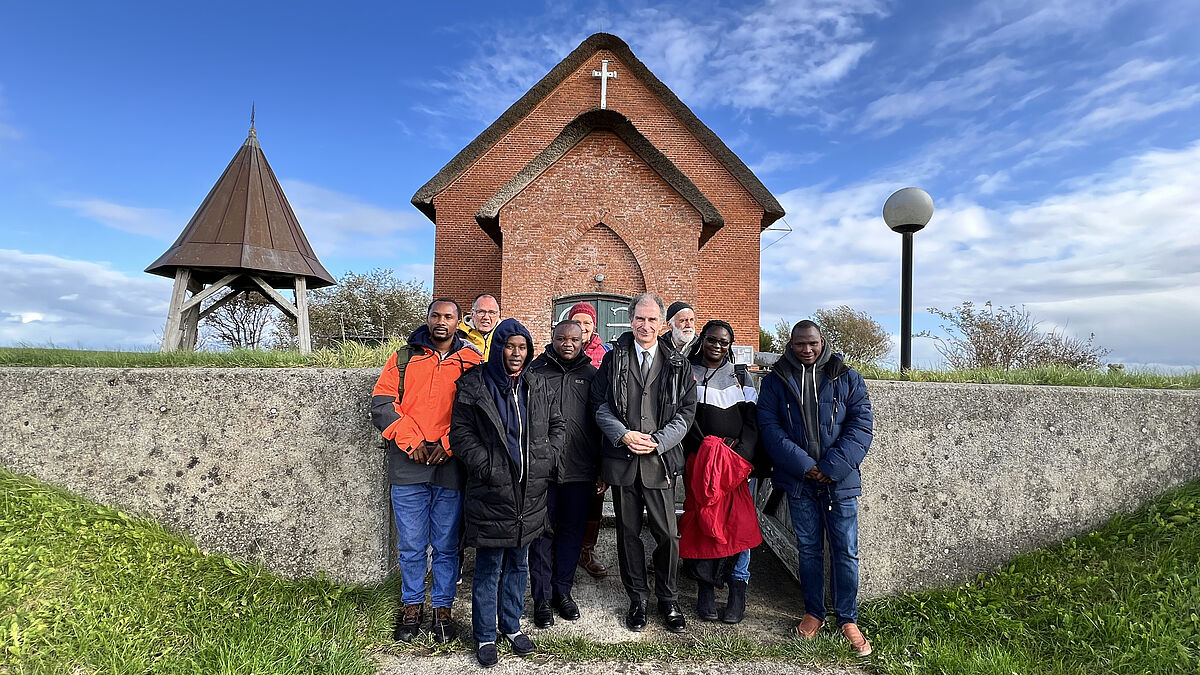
(487, 312)
(714, 341)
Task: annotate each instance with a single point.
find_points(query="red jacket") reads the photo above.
(718, 514)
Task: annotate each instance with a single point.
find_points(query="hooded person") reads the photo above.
(815, 421)
(507, 431)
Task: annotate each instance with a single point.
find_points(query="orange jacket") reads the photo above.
(428, 382)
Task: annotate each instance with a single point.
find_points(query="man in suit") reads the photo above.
(644, 396)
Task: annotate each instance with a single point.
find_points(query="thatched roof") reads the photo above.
(423, 199)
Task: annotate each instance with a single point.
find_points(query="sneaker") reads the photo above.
(543, 615)
(809, 627)
(443, 627)
(521, 644)
(487, 655)
(566, 606)
(857, 641)
(408, 624)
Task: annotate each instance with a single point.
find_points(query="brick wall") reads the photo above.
(720, 280)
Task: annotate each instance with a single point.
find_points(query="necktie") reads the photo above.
(645, 366)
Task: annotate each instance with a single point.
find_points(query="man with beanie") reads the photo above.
(815, 421)
(507, 431)
(681, 319)
(644, 398)
(425, 476)
(553, 556)
(595, 348)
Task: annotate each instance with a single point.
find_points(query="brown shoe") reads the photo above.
(408, 624)
(857, 641)
(443, 627)
(809, 626)
(587, 556)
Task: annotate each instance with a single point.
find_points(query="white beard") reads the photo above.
(682, 337)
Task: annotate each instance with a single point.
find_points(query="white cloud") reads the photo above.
(774, 55)
(157, 223)
(39, 303)
(1115, 254)
(337, 223)
(774, 161)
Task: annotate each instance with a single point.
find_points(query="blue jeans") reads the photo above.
(498, 590)
(741, 566)
(427, 515)
(816, 515)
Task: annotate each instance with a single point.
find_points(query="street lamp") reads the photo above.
(906, 212)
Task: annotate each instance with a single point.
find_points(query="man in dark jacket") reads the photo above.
(507, 431)
(815, 420)
(568, 371)
(644, 397)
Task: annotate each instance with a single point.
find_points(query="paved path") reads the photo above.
(773, 609)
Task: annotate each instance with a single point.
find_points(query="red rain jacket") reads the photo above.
(718, 514)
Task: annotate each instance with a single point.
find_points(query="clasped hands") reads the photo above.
(639, 443)
(430, 453)
(815, 474)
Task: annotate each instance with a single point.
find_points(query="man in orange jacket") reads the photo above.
(411, 406)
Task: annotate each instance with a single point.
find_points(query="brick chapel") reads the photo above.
(599, 184)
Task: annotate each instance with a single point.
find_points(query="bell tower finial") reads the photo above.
(252, 138)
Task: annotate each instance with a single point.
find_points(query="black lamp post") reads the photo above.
(906, 212)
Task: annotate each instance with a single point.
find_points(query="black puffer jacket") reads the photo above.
(505, 504)
(569, 382)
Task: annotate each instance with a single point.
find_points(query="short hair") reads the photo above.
(643, 297)
(805, 325)
(438, 301)
(567, 322)
(483, 295)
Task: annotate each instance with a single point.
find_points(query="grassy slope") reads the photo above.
(86, 586)
(352, 355)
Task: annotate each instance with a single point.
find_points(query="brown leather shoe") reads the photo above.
(587, 556)
(809, 626)
(408, 624)
(443, 627)
(857, 641)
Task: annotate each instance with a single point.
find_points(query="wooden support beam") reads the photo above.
(274, 296)
(228, 297)
(302, 330)
(172, 333)
(190, 319)
(207, 293)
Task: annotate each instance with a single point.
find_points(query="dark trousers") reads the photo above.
(553, 556)
(629, 501)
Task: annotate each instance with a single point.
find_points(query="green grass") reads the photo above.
(1066, 377)
(87, 589)
(347, 355)
(1122, 599)
(352, 355)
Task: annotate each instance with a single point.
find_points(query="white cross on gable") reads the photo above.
(604, 74)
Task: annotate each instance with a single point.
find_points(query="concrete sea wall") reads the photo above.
(283, 465)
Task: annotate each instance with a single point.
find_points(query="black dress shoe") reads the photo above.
(635, 618)
(672, 617)
(566, 606)
(543, 615)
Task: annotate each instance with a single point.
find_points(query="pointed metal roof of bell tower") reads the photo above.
(245, 225)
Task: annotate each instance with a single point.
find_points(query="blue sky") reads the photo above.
(1059, 139)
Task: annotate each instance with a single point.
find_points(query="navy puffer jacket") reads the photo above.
(845, 422)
